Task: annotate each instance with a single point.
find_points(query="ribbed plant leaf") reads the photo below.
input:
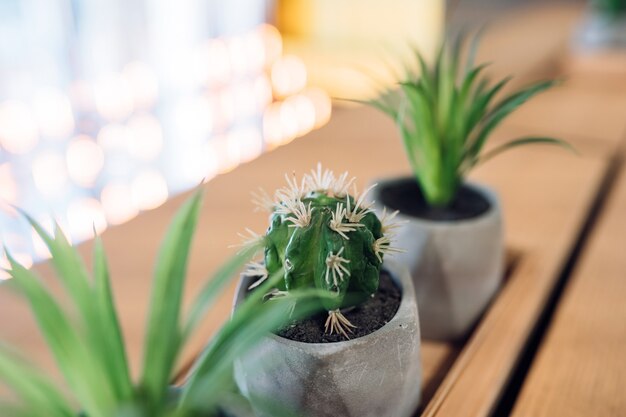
(37, 394)
(523, 141)
(164, 335)
(69, 346)
(109, 326)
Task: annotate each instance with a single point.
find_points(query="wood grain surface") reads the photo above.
(580, 369)
(546, 196)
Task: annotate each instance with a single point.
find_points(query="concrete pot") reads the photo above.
(377, 375)
(457, 266)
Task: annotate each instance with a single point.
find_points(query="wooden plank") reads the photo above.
(591, 119)
(580, 369)
(546, 199)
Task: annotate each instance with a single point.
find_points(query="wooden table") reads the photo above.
(547, 195)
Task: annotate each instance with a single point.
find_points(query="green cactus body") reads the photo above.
(316, 255)
(324, 238)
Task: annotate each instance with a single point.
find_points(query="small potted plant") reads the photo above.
(361, 355)
(89, 348)
(604, 26)
(451, 228)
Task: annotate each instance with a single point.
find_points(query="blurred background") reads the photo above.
(109, 107)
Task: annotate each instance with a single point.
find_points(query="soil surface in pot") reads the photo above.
(405, 195)
(367, 317)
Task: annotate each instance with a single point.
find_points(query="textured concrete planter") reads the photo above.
(378, 375)
(456, 266)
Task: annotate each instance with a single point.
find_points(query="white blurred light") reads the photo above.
(255, 49)
(149, 190)
(305, 111)
(4, 266)
(81, 94)
(273, 43)
(143, 82)
(85, 160)
(146, 136)
(117, 203)
(8, 188)
(49, 172)
(272, 128)
(18, 129)
(84, 216)
(239, 55)
(21, 258)
(248, 142)
(262, 91)
(41, 250)
(226, 153)
(218, 69)
(321, 102)
(245, 100)
(114, 97)
(288, 122)
(288, 75)
(199, 164)
(54, 114)
(193, 118)
(114, 137)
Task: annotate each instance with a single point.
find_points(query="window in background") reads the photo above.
(108, 107)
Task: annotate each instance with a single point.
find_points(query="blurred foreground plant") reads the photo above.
(85, 337)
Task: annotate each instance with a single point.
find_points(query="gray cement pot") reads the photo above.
(377, 375)
(457, 266)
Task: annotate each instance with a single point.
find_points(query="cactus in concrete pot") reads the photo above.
(323, 237)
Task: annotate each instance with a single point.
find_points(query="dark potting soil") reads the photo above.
(405, 195)
(367, 317)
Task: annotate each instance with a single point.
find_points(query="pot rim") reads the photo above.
(400, 277)
(489, 193)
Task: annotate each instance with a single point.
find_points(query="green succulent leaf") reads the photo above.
(524, 141)
(164, 335)
(446, 114)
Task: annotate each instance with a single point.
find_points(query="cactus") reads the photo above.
(322, 237)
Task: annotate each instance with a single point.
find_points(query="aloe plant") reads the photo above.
(323, 238)
(613, 8)
(446, 115)
(89, 347)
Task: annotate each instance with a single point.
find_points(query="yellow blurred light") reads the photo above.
(49, 172)
(18, 128)
(288, 75)
(273, 43)
(114, 97)
(143, 82)
(85, 216)
(85, 160)
(117, 203)
(146, 136)
(149, 190)
(321, 103)
(54, 114)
